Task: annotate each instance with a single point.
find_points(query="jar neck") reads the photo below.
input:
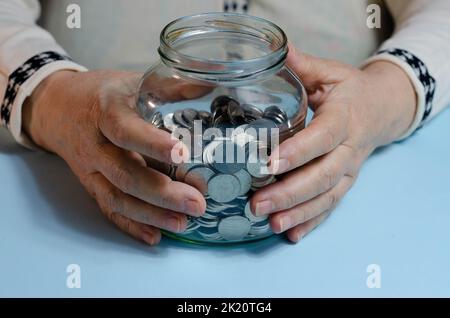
(223, 47)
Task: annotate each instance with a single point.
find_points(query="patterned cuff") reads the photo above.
(424, 84)
(20, 76)
(421, 71)
(21, 84)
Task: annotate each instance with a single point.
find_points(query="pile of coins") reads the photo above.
(227, 181)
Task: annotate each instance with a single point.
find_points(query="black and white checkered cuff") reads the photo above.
(20, 76)
(423, 75)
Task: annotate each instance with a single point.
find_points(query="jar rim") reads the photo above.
(236, 69)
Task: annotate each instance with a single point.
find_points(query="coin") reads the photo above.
(198, 177)
(251, 112)
(241, 137)
(255, 219)
(178, 119)
(189, 116)
(234, 228)
(222, 102)
(210, 234)
(259, 183)
(209, 223)
(223, 188)
(227, 157)
(236, 114)
(205, 117)
(191, 226)
(258, 161)
(183, 169)
(245, 179)
(276, 114)
(260, 229)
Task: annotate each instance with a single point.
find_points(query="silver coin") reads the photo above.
(258, 163)
(210, 234)
(179, 119)
(222, 102)
(236, 114)
(198, 177)
(242, 137)
(223, 188)
(209, 223)
(245, 179)
(259, 183)
(184, 168)
(205, 117)
(227, 157)
(209, 151)
(251, 112)
(277, 114)
(191, 227)
(261, 230)
(254, 219)
(234, 228)
(189, 116)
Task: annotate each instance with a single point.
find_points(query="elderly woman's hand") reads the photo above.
(88, 119)
(355, 111)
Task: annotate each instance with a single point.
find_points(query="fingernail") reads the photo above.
(264, 207)
(148, 238)
(299, 237)
(279, 166)
(192, 207)
(284, 224)
(174, 224)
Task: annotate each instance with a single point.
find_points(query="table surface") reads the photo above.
(397, 216)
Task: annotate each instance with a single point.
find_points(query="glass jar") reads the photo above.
(222, 87)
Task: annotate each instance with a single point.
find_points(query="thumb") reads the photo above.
(314, 71)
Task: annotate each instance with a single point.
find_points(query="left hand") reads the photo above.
(355, 111)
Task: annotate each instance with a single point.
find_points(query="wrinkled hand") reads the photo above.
(355, 111)
(88, 120)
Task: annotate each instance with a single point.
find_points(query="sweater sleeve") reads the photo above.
(420, 45)
(28, 54)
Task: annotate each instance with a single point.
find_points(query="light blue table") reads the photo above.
(397, 216)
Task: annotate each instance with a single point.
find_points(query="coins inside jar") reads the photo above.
(229, 168)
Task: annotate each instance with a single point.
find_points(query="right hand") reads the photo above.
(88, 119)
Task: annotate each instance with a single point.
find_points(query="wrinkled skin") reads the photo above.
(88, 119)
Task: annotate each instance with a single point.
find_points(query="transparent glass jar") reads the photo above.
(222, 87)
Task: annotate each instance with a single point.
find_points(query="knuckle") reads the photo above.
(329, 138)
(332, 199)
(114, 202)
(115, 128)
(121, 177)
(328, 177)
(287, 200)
(165, 198)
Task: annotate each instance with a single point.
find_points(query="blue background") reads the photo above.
(396, 216)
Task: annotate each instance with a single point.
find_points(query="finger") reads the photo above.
(139, 231)
(300, 231)
(304, 183)
(112, 200)
(327, 130)
(146, 233)
(124, 127)
(306, 211)
(148, 184)
(315, 71)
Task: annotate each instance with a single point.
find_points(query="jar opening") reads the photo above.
(223, 46)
